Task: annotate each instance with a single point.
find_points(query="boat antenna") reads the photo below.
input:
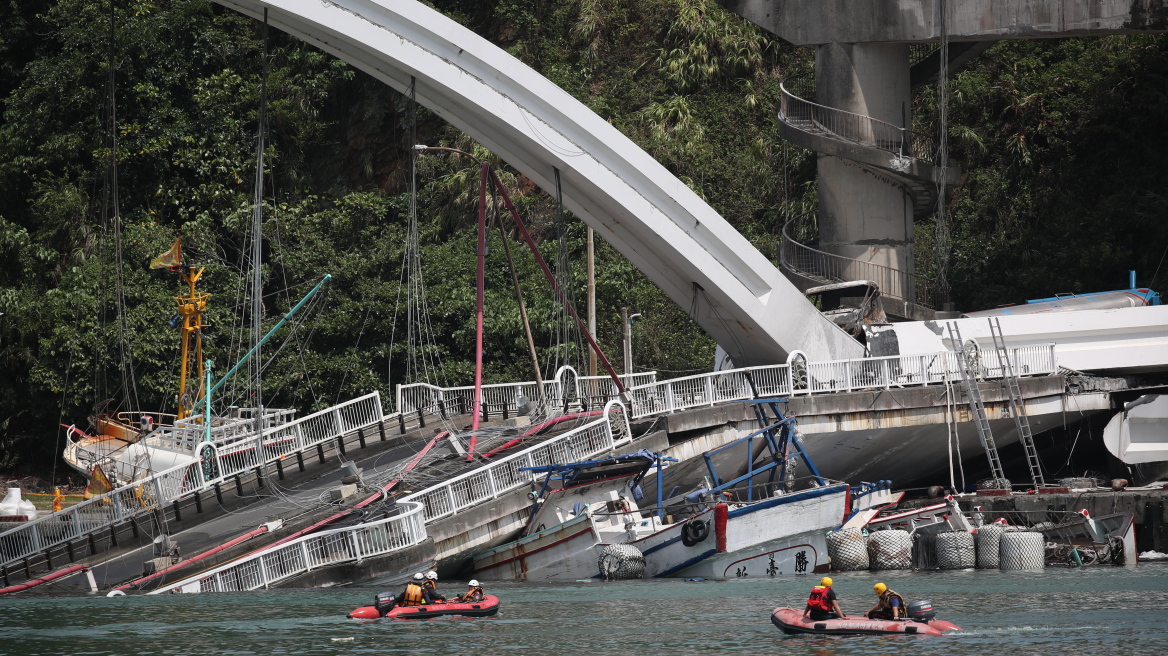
(257, 242)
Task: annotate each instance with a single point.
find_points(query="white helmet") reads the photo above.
(432, 575)
(418, 576)
(474, 583)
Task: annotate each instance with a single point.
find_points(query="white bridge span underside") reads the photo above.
(633, 202)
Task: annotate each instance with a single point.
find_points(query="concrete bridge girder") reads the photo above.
(862, 67)
(631, 200)
(815, 22)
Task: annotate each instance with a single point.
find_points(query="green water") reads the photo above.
(1100, 611)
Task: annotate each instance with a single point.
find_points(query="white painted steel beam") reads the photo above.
(637, 205)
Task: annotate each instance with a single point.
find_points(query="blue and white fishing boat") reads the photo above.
(772, 529)
(723, 529)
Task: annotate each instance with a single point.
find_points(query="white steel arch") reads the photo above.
(644, 211)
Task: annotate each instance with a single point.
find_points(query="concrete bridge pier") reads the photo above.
(864, 215)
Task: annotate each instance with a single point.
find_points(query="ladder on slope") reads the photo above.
(1017, 408)
(977, 407)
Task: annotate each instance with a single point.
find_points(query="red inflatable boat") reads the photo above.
(792, 621)
(485, 608)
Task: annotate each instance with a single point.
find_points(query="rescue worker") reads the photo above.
(415, 592)
(474, 594)
(429, 591)
(822, 604)
(890, 606)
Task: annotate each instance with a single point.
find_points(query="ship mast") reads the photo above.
(257, 244)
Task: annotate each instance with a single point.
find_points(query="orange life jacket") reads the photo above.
(886, 601)
(819, 599)
(474, 594)
(412, 596)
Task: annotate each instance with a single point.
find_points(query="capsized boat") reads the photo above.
(921, 622)
(740, 527)
(580, 505)
(385, 606)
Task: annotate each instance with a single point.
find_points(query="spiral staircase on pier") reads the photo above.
(896, 155)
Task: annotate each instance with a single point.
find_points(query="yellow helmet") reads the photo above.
(825, 581)
(879, 588)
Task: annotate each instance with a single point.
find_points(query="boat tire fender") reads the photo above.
(694, 531)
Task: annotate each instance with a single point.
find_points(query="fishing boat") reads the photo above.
(595, 503)
(741, 529)
(128, 445)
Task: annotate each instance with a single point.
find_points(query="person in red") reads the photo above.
(823, 605)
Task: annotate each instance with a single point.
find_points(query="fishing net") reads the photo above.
(955, 550)
(1022, 550)
(848, 550)
(621, 561)
(989, 539)
(890, 550)
(924, 553)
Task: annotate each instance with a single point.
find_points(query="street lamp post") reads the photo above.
(627, 322)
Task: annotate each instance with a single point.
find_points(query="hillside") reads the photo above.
(1065, 143)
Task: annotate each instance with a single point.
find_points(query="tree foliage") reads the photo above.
(1063, 142)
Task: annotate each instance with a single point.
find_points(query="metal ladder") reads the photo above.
(977, 407)
(1017, 408)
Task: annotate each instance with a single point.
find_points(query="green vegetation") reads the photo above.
(1064, 142)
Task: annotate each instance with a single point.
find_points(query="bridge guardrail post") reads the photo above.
(356, 546)
(304, 552)
(263, 573)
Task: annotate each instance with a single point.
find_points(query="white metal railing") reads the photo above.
(352, 544)
(328, 548)
(224, 460)
(825, 377)
(590, 391)
(503, 475)
(214, 463)
(598, 390)
(434, 400)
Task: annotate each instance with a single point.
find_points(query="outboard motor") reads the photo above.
(921, 611)
(384, 602)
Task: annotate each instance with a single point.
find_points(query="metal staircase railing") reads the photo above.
(1017, 407)
(798, 108)
(830, 268)
(977, 408)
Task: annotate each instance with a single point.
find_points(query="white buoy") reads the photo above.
(848, 549)
(621, 561)
(989, 538)
(890, 550)
(1023, 550)
(955, 550)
